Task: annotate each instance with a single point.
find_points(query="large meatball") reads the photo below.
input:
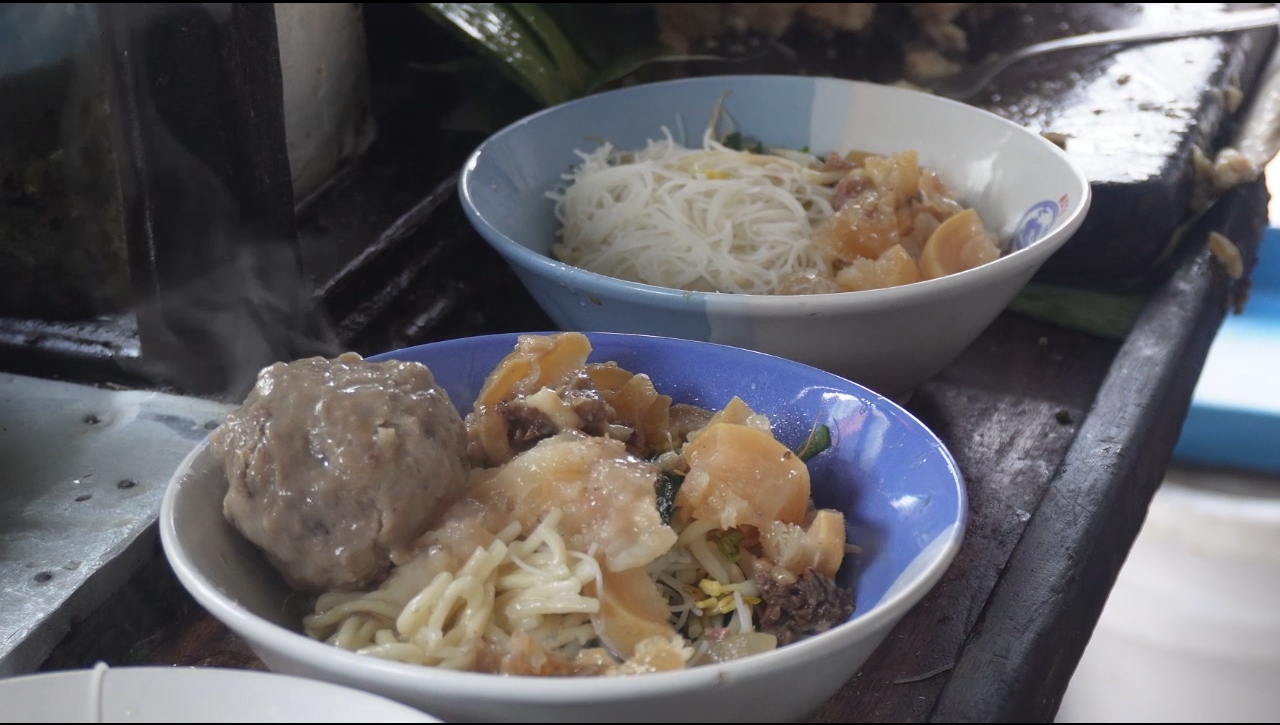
(334, 465)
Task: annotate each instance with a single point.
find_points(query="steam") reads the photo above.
(208, 197)
(214, 334)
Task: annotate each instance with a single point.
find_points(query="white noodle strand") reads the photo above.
(709, 219)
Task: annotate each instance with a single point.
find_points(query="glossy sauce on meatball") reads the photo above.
(337, 466)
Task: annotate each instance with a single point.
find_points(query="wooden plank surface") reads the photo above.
(1024, 649)
(1008, 442)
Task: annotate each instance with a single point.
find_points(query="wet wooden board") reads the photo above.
(1132, 118)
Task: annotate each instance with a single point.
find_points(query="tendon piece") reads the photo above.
(820, 547)
(336, 466)
(960, 243)
(935, 198)
(915, 227)
(737, 412)
(808, 283)
(892, 269)
(608, 377)
(866, 224)
(899, 174)
(684, 419)
(850, 187)
(536, 363)
(656, 654)
(732, 646)
(632, 610)
(639, 406)
(523, 655)
(742, 476)
(864, 228)
(607, 495)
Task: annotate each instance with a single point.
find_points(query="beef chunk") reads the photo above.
(581, 395)
(526, 425)
(813, 604)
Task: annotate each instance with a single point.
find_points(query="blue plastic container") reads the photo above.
(1234, 420)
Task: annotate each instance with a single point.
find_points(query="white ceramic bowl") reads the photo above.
(901, 494)
(1025, 189)
(188, 694)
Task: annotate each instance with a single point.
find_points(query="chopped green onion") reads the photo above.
(666, 487)
(819, 440)
(728, 545)
(733, 140)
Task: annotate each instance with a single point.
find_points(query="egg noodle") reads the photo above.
(520, 585)
(696, 219)
(510, 586)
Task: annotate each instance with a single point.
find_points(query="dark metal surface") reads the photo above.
(102, 349)
(84, 472)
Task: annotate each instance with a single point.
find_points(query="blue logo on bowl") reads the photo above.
(1035, 224)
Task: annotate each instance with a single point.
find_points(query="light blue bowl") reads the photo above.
(1025, 189)
(901, 493)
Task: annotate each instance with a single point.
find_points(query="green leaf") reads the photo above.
(573, 69)
(733, 140)
(600, 31)
(553, 51)
(667, 486)
(503, 35)
(728, 545)
(819, 440)
(1106, 314)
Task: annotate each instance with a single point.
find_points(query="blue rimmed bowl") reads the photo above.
(1025, 189)
(901, 493)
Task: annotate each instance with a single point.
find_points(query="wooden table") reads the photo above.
(1062, 437)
